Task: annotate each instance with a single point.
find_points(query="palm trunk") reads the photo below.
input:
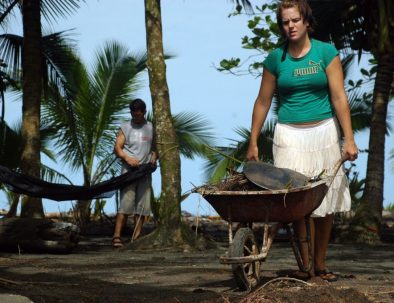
(32, 87)
(169, 229)
(12, 212)
(370, 213)
(83, 209)
(83, 212)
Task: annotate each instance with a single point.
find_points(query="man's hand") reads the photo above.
(153, 158)
(133, 162)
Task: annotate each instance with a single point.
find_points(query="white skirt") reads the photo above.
(310, 149)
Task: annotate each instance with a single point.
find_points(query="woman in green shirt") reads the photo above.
(308, 77)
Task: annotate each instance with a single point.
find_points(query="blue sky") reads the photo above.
(199, 34)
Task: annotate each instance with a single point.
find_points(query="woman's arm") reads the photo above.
(339, 100)
(260, 112)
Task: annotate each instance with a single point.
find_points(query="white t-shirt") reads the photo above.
(139, 139)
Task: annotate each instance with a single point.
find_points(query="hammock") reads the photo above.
(34, 187)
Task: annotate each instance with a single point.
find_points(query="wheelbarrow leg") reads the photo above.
(296, 246)
(230, 226)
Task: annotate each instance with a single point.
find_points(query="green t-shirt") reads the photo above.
(302, 83)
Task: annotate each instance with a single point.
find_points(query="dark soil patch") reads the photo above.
(291, 292)
(95, 273)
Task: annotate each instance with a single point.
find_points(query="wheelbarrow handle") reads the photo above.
(337, 166)
(339, 163)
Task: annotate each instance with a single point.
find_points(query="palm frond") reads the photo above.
(51, 10)
(329, 18)
(360, 109)
(11, 54)
(45, 138)
(10, 148)
(139, 60)
(52, 175)
(246, 4)
(217, 166)
(193, 132)
(108, 167)
(6, 8)
(347, 62)
(114, 81)
(60, 117)
(58, 55)
(356, 189)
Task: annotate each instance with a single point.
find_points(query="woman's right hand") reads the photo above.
(252, 153)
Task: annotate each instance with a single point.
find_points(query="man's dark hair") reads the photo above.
(137, 104)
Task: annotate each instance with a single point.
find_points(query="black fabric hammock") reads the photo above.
(34, 187)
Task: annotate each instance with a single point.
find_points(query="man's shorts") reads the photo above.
(135, 198)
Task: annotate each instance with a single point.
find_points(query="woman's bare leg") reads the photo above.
(301, 233)
(323, 228)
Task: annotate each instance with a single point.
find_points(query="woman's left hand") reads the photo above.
(350, 149)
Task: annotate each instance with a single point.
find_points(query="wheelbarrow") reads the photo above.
(276, 209)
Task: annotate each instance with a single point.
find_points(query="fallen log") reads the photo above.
(37, 235)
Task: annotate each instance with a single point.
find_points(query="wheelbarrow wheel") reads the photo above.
(246, 275)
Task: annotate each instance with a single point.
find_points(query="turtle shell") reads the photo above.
(270, 177)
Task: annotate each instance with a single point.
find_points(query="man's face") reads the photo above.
(138, 116)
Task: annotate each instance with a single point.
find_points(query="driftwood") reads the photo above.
(37, 235)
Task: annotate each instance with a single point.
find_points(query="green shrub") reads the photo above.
(389, 206)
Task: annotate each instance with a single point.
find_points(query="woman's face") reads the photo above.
(293, 24)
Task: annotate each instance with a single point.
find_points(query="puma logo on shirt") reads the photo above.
(313, 69)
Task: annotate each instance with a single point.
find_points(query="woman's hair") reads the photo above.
(304, 9)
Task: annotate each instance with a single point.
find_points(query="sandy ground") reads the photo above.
(95, 272)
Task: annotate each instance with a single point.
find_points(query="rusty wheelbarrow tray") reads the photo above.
(276, 209)
(285, 206)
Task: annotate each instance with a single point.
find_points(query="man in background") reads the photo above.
(134, 145)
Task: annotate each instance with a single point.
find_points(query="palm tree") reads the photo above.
(56, 52)
(33, 76)
(193, 134)
(170, 230)
(85, 116)
(10, 156)
(366, 25)
(32, 88)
